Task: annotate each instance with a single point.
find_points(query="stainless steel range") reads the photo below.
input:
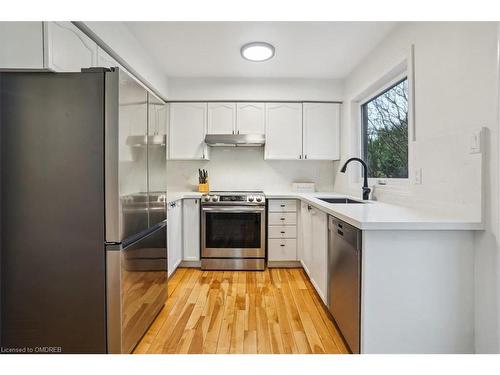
(233, 230)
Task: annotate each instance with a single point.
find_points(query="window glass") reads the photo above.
(385, 132)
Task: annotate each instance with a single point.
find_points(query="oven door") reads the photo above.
(233, 232)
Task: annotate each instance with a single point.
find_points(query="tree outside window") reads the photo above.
(385, 132)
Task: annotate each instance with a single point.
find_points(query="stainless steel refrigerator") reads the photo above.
(83, 218)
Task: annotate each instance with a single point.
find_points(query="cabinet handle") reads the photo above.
(233, 131)
(196, 201)
(282, 232)
(282, 245)
(309, 207)
(300, 156)
(282, 205)
(305, 156)
(282, 218)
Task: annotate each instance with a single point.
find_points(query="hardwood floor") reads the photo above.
(275, 311)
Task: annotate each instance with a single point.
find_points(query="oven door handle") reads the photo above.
(234, 209)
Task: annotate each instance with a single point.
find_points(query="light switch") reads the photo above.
(475, 143)
(418, 176)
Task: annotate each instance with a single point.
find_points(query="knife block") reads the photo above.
(203, 188)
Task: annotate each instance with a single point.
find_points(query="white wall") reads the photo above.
(254, 89)
(119, 38)
(245, 168)
(456, 88)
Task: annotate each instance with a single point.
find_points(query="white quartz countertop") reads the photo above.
(372, 215)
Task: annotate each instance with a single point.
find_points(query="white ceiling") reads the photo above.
(303, 49)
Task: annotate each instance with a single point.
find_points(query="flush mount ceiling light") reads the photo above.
(257, 51)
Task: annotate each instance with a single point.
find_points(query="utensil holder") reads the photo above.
(203, 188)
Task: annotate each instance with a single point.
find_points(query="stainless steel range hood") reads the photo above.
(235, 140)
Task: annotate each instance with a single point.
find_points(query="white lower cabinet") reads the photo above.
(319, 263)
(191, 229)
(174, 235)
(305, 253)
(282, 249)
(313, 248)
(282, 230)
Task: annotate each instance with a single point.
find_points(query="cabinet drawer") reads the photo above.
(282, 205)
(282, 218)
(282, 231)
(283, 249)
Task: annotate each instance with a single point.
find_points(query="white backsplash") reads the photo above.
(241, 168)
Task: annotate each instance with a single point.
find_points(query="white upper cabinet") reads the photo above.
(321, 123)
(283, 131)
(55, 46)
(251, 118)
(67, 48)
(221, 118)
(104, 60)
(21, 45)
(187, 130)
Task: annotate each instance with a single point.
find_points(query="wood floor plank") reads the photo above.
(274, 311)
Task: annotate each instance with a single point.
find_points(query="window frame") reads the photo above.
(403, 76)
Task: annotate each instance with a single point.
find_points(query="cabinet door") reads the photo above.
(67, 48)
(21, 45)
(174, 235)
(305, 254)
(187, 130)
(319, 234)
(321, 123)
(283, 131)
(191, 229)
(282, 249)
(221, 118)
(251, 118)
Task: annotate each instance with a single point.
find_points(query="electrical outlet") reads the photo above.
(417, 179)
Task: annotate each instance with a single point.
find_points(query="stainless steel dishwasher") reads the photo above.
(344, 279)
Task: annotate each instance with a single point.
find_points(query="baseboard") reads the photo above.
(284, 264)
(190, 264)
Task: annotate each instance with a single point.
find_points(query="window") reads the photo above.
(385, 132)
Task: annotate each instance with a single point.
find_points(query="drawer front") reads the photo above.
(282, 218)
(282, 231)
(282, 205)
(283, 249)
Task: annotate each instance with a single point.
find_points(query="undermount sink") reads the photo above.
(340, 200)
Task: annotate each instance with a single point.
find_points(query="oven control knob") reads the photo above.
(206, 198)
(258, 199)
(250, 198)
(214, 198)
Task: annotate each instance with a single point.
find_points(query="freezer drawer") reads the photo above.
(137, 288)
(344, 274)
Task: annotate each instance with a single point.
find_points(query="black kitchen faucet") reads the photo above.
(366, 189)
